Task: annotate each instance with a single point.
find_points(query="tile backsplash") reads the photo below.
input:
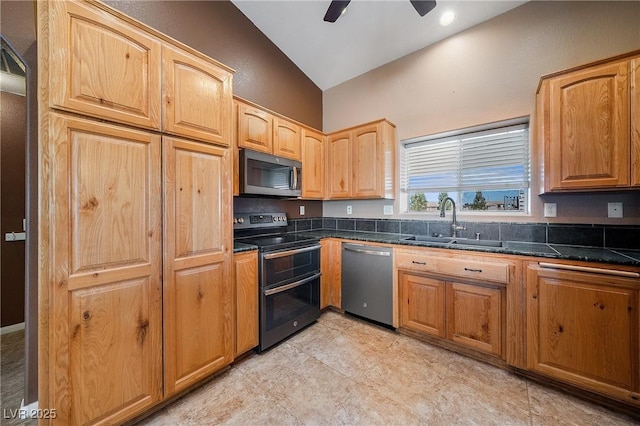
(622, 236)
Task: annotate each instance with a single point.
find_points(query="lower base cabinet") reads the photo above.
(583, 329)
(470, 315)
(245, 275)
(331, 268)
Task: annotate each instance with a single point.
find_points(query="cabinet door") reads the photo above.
(339, 165)
(635, 122)
(245, 267)
(255, 129)
(423, 304)
(589, 128)
(287, 139)
(197, 98)
(313, 165)
(367, 163)
(102, 66)
(198, 292)
(331, 268)
(474, 317)
(583, 328)
(105, 357)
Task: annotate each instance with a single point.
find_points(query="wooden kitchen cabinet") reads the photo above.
(585, 124)
(198, 296)
(197, 98)
(245, 270)
(287, 139)
(635, 123)
(339, 165)
(135, 302)
(104, 67)
(460, 298)
(423, 304)
(331, 268)
(313, 165)
(583, 327)
(475, 316)
(255, 128)
(103, 297)
(362, 162)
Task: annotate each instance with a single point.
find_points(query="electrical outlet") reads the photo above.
(301, 210)
(388, 210)
(349, 210)
(615, 210)
(550, 210)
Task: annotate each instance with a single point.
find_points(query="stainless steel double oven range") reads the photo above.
(288, 271)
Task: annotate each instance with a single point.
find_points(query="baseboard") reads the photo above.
(29, 411)
(11, 328)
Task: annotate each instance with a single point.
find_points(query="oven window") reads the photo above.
(288, 267)
(288, 305)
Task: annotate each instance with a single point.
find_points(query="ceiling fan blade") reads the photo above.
(423, 6)
(335, 10)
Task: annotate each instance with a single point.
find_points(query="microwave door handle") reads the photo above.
(294, 170)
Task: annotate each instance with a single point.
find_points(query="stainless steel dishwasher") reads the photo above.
(367, 282)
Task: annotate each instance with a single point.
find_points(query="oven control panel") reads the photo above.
(259, 220)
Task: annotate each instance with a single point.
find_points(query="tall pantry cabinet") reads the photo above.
(135, 296)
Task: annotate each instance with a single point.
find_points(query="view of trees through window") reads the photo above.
(496, 200)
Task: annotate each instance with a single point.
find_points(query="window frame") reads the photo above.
(459, 134)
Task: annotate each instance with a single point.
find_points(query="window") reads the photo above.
(482, 169)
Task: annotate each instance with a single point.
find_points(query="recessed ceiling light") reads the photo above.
(447, 17)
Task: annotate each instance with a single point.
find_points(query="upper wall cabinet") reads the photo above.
(197, 98)
(102, 66)
(262, 131)
(314, 166)
(588, 122)
(255, 128)
(111, 69)
(362, 161)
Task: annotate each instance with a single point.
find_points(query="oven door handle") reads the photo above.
(290, 252)
(290, 286)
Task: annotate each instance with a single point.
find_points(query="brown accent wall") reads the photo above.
(264, 74)
(13, 132)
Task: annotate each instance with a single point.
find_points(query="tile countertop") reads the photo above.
(553, 251)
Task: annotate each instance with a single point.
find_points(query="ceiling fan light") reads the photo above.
(447, 17)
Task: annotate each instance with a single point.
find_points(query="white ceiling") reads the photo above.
(370, 34)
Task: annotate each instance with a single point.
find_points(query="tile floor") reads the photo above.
(12, 378)
(342, 371)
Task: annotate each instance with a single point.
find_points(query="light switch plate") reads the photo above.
(301, 210)
(349, 210)
(550, 210)
(615, 210)
(388, 209)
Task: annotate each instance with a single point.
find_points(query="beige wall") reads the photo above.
(490, 73)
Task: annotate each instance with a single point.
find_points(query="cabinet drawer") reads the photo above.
(485, 270)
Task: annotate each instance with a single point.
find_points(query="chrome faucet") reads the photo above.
(454, 225)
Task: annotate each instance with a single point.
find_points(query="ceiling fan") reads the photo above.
(337, 8)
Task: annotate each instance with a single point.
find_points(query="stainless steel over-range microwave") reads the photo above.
(265, 174)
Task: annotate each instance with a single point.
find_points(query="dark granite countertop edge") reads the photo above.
(552, 251)
(242, 247)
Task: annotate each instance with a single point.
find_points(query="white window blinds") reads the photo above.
(490, 159)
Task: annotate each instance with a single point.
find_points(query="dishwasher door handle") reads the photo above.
(373, 252)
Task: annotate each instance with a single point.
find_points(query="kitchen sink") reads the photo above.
(451, 240)
(481, 243)
(427, 239)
